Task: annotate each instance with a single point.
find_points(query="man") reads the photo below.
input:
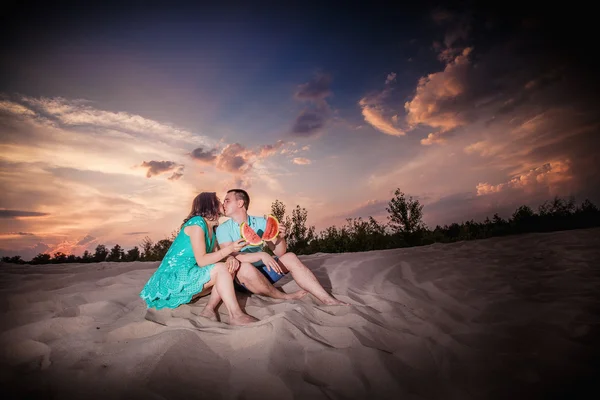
(259, 270)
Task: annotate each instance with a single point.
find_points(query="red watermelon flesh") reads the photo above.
(272, 228)
(251, 237)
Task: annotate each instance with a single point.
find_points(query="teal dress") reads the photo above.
(178, 277)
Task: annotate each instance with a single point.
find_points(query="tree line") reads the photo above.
(404, 228)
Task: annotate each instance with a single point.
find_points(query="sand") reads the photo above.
(511, 317)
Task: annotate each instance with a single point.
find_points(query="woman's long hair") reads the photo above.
(206, 205)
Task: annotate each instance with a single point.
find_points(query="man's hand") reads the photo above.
(232, 264)
(282, 231)
(270, 263)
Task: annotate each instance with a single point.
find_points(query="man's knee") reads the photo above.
(246, 270)
(289, 256)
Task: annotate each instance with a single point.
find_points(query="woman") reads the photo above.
(191, 268)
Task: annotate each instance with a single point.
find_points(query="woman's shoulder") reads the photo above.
(195, 220)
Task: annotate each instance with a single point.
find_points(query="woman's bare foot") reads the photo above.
(242, 319)
(330, 301)
(295, 295)
(209, 313)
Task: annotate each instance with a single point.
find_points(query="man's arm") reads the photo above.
(279, 247)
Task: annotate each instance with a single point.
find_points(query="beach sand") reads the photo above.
(510, 317)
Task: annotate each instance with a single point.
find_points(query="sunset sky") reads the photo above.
(113, 119)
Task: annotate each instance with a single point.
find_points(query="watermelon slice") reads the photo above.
(251, 237)
(272, 228)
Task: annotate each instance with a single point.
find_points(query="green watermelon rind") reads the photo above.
(250, 243)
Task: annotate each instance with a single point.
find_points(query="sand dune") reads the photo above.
(512, 317)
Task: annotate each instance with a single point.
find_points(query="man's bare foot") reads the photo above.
(210, 314)
(295, 295)
(242, 319)
(334, 302)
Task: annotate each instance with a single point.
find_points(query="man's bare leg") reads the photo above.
(257, 283)
(306, 279)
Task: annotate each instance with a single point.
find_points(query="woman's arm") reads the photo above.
(245, 257)
(196, 234)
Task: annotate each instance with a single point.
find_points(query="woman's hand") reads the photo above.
(232, 264)
(270, 263)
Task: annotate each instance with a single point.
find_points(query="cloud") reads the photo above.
(457, 26)
(87, 239)
(26, 253)
(432, 104)
(79, 113)
(240, 161)
(136, 233)
(13, 235)
(547, 176)
(70, 171)
(310, 121)
(313, 117)
(373, 110)
(234, 158)
(440, 15)
(433, 138)
(301, 161)
(199, 154)
(19, 213)
(176, 175)
(371, 208)
(162, 167)
(270, 149)
(390, 78)
(15, 108)
(317, 89)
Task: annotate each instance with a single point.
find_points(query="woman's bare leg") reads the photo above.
(210, 309)
(223, 282)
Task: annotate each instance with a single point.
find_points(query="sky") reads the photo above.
(113, 118)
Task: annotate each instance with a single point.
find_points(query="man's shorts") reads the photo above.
(271, 275)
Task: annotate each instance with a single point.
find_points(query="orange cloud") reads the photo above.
(426, 107)
(372, 111)
(433, 138)
(301, 161)
(550, 175)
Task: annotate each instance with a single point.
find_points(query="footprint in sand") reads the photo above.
(30, 353)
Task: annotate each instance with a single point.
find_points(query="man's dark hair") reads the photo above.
(241, 194)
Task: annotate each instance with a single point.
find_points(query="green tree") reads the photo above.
(406, 217)
(587, 207)
(278, 210)
(159, 250)
(133, 254)
(87, 257)
(59, 258)
(300, 235)
(101, 253)
(116, 254)
(13, 260)
(146, 246)
(41, 258)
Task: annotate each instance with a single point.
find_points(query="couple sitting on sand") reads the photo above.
(197, 265)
